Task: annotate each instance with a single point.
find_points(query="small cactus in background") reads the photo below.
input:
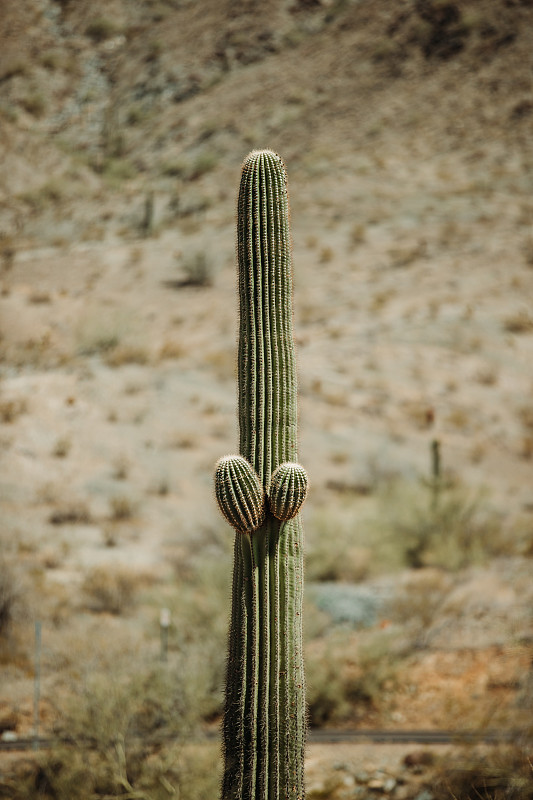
(260, 493)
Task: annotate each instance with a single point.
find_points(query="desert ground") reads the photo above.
(407, 133)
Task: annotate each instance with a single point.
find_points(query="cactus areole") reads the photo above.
(260, 492)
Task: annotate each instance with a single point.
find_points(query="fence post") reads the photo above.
(37, 685)
(164, 625)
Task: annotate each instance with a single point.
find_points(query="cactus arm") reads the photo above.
(288, 490)
(239, 494)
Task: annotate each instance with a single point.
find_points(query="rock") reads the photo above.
(8, 718)
(349, 604)
(403, 792)
(425, 794)
(419, 759)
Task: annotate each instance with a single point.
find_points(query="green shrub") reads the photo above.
(452, 529)
(503, 773)
(110, 590)
(128, 733)
(52, 60)
(190, 169)
(101, 29)
(11, 67)
(11, 602)
(416, 602)
(127, 354)
(122, 507)
(334, 549)
(100, 330)
(328, 692)
(346, 675)
(198, 270)
(74, 513)
(10, 409)
(50, 193)
(203, 163)
(118, 169)
(34, 103)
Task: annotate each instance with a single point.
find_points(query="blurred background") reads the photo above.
(407, 132)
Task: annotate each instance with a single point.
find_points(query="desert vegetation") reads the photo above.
(406, 132)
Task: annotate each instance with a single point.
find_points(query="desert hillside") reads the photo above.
(407, 132)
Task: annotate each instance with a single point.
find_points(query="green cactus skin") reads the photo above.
(287, 491)
(264, 716)
(239, 493)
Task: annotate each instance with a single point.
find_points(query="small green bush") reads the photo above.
(52, 60)
(198, 270)
(346, 675)
(128, 733)
(451, 528)
(122, 507)
(10, 409)
(100, 330)
(34, 103)
(50, 193)
(190, 169)
(203, 163)
(11, 602)
(334, 550)
(110, 590)
(328, 693)
(118, 169)
(101, 29)
(11, 67)
(127, 354)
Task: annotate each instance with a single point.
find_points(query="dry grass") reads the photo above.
(423, 524)
(121, 467)
(110, 590)
(14, 611)
(108, 718)
(506, 773)
(123, 507)
(418, 601)
(62, 447)
(526, 447)
(172, 349)
(11, 409)
(197, 270)
(525, 415)
(519, 322)
(126, 354)
(101, 331)
(38, 298)
(74, 513)
(346, 675)
(11, 599)
(337, 548)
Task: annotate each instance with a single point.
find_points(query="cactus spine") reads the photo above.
(260, 493)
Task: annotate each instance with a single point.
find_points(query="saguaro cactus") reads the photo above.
(260, 492)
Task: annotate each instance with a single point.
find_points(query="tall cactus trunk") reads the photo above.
(260, 493)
